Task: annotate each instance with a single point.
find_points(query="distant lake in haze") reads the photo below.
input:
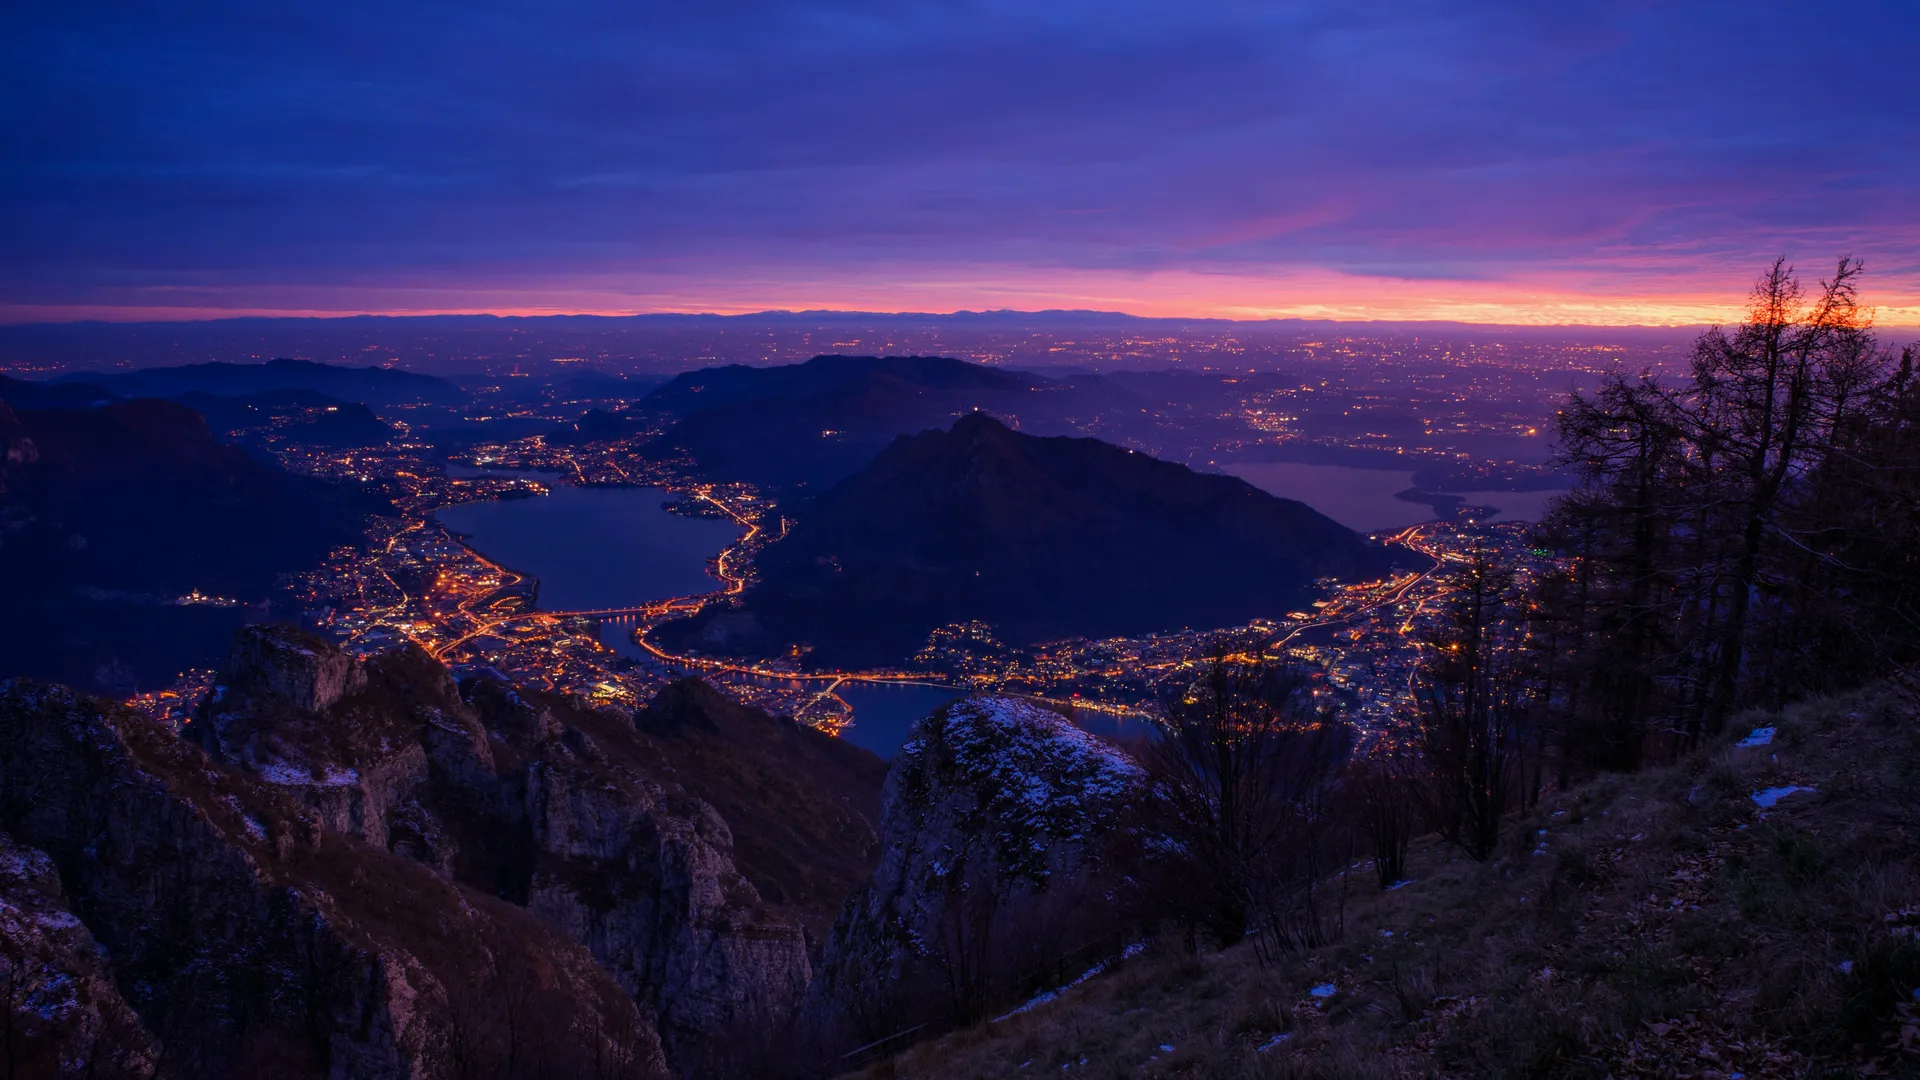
(1363, 499)
(596, 547)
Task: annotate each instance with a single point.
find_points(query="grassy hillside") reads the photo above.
(1654, 925)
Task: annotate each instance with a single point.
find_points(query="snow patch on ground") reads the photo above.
(1045, 996)
(1773, 795)
(1760, 736)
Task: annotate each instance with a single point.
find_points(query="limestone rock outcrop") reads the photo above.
(248, 936)
(67, 1016)
(558, 808)
(1002, 826)
(357, 867)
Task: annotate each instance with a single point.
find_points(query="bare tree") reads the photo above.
(968, 924)
(1384, 807)
(1470, 703)
(1765, 402)
(1241, 761)
(1726, 540)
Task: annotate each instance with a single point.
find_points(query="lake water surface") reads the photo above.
(596, 547)
(1363, 499)
(882, 712)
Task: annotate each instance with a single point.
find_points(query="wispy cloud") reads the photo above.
(1507, 160)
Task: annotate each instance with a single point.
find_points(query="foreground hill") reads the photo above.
(1043, 537)
(111, 513)
(810, 425)
(1657, 925)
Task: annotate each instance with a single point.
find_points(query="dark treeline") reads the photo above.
(1742, 536)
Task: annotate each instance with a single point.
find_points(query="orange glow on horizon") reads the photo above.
(1643, 301)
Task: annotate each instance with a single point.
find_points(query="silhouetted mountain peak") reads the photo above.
(815, 423)
(1041, 537)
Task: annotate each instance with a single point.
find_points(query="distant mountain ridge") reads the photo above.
(737, 383)
(367, 385)
(1045, 538)
(810, 425)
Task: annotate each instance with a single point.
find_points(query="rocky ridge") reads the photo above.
(556, 811)
(1003, 829)
(361, 868)
(245, 932)
(69, 1018)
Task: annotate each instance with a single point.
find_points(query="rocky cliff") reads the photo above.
(359, 868)
(586, 820)
(1003, 834)
(252, 939)
(65, 1016)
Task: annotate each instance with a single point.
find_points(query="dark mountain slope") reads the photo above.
(371, 385)
(594, 425)
(811, 425)
(26, 394)
(110, 513)
(306, 417)
(1043, 537)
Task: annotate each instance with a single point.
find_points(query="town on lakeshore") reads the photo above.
(417, 580)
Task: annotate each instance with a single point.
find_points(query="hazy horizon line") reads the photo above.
(826, 314)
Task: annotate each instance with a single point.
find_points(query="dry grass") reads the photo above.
(1655, 925)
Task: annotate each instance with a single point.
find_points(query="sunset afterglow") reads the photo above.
(1482, 163)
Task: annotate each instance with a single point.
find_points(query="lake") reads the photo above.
(596, 548)
(882, 712)
(1363, 499)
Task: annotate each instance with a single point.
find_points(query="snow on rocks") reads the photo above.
(990, 797)
(290, 775)
(1019, 777)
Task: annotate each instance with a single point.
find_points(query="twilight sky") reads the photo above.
(1522, 161)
